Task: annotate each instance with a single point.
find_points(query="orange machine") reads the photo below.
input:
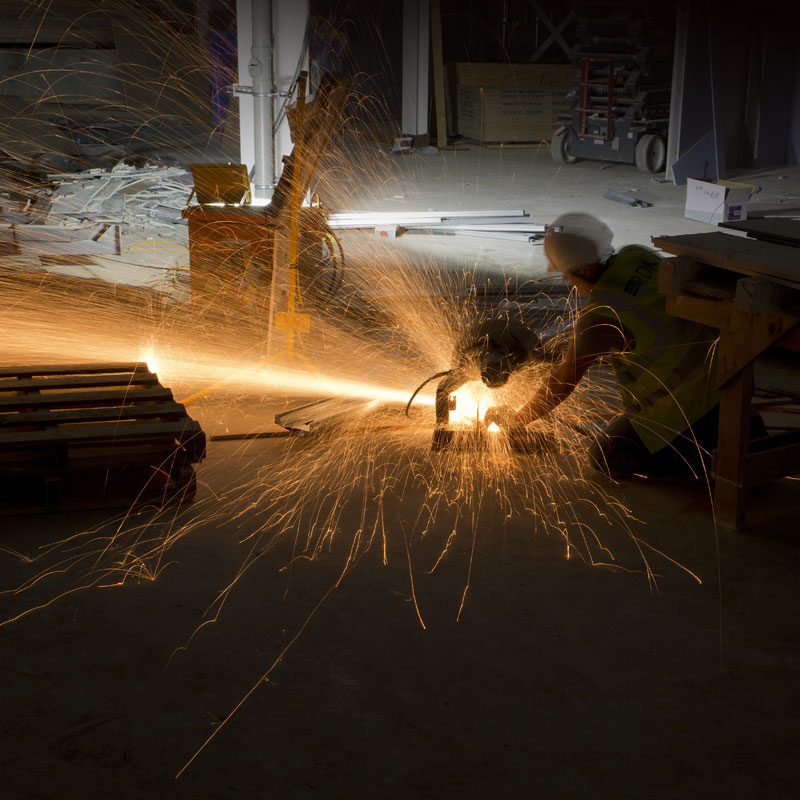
(230, 256)
(236, 249)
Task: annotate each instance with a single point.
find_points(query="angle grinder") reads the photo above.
(492, 350)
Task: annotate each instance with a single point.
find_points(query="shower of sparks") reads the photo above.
(471, 402)
(396, 320)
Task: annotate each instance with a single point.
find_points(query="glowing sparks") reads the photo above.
(471, 403)
(153, 363)
(390, 322)
(327, 385)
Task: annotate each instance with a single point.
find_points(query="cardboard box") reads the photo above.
(713, 202)
(507, 114)
(507, 102)
(534, 76)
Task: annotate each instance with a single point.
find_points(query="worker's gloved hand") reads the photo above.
(504, 417)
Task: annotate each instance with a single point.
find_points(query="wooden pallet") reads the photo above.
(92, 436)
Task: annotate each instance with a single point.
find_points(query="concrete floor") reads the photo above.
(559, 678)
(477, 178)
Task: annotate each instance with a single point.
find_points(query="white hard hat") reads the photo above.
(576, 240)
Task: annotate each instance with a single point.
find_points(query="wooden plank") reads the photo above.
(121, 457)
(123, 396)
(747, 256)
(684, 276)
(713, 313)
(61, 416)
(71, 369)
(745, 338)
(758, 295)
(153, 449)
(74, 381)
(777, 441)
(732, 444)
(104, 435)
(776, 393)
(674, 272)
(791, 340)
(779, 230)
(101, 433)
(713, 290)
(773, 463)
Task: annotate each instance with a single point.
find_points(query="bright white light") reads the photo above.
(327, 385)
(493, 428)
(472, 401)
(153, 364)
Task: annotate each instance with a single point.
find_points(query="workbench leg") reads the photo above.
(733, 442)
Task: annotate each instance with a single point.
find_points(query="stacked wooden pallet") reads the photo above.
(92, 435)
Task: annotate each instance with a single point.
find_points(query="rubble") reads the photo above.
(87, 212)
(137, 197)
(127, 195)
(96, 223)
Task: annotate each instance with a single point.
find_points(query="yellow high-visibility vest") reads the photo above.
(666, 379)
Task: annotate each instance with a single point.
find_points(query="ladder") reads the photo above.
(584, 109)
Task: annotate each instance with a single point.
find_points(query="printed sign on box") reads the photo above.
(713, 202)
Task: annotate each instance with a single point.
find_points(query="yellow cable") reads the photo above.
(169, 246)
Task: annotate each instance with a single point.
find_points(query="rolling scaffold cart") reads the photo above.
(620, 102)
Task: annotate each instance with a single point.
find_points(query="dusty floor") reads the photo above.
(560, 679)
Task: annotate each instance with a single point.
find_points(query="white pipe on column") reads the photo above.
(290, 20)
(286, 25)
(244, 46)
(260, 69)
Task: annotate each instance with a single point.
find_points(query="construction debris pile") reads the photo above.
(149, 196)
(85, 212)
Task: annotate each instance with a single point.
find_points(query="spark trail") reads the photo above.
(373, 484)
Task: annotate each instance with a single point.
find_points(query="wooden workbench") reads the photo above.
(750, 291)
(778, 230)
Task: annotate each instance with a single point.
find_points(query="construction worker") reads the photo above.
(664, 366)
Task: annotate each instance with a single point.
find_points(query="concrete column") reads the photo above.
(416, 54)
(290, 24)
(289, 55)
(244, 46)
(676, 95)
(260, 69)
(696, 145)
